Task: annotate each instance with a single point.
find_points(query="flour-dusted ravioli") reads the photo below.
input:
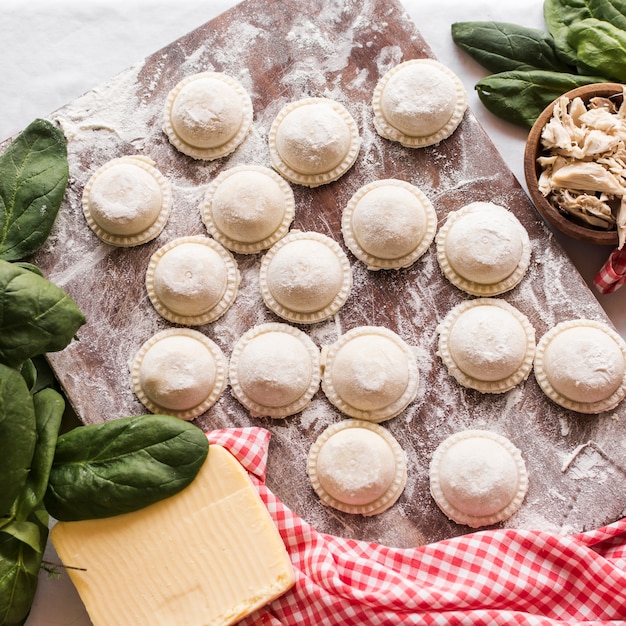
(179, 372)
(192, 280)
(274, 370)
(478, 478)
(487, 344)
(370, 373)
(581, 365)
(357, 467)
(313, 141)
(127, 201)
(483, 249)
(388, 224)
(207, 115)
(248, 208)
(305, 277)
(418, 103)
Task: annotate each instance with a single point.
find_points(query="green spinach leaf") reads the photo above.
(49, 406)
(19, 569)
(18, 436)
(36, 316)
(559, 15)
(29, 373)
(122, 465)
(613, 11)
(599, 46)
(519, 97)
(29, 266)
(33, 178)
(44, 376)
(501, 47)
(25, 531)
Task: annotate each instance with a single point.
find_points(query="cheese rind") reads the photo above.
(208, 555)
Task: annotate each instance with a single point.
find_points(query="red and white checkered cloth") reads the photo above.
(486, 578)
(612, 275)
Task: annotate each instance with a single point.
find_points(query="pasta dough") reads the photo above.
(127, 201)
(192, 280)
(478, 478)
(483, 249)
(179, 372)
(581, 365)
(388, 224)
(370, 373)
(274, 370)
(487, 345)
(248, 208)
(305, 277)
(207, 115)
(313, 141)
(357, 467)
(418, 103)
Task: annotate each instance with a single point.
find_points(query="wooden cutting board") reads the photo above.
(282, 51)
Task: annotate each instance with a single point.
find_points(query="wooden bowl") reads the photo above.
(532, 170)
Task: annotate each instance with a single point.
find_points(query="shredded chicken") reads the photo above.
(588, 208)
(583, 168)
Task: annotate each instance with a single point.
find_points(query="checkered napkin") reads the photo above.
(486, 578)
(612, 274)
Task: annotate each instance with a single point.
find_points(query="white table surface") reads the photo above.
(53, 52)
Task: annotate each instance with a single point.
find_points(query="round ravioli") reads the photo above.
(207, 115)
(370, 373)
(483, 249)
(127, 201)
(357, 467)
(274, 370)
(418, 103)
(313, 141)
(487, 344)
(305, 277)
(581, 365)
(388, 224)
(192, 280)
(478, 478)
(248, 208)
(179, 372)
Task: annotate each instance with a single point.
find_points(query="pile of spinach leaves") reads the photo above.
(585, 43)
(89, 472)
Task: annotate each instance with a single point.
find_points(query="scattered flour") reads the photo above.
(339, 53)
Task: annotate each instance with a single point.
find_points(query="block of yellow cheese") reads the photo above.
(209, 555)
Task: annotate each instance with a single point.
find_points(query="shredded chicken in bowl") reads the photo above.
(584, 166)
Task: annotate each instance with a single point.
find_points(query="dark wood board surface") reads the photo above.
(281, 51)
